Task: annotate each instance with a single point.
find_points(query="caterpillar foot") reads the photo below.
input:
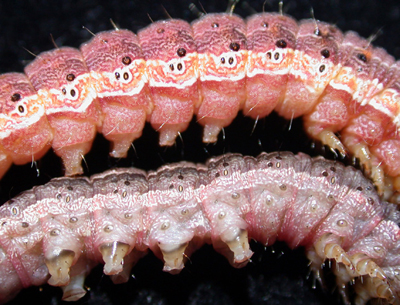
(113, 255)
(370, 162)
(128, 263)
(174, 257)
(366, 266)
(59, 267)
(332, 141)
(74, 290)
(327, 247)
(368, 288)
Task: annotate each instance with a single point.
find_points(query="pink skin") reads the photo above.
(331, 113)
(173, 108)
(222, 99)
(74, 130)
(389, 152)
(124, 116)
(368, 124)
(30, 135)
(265, 91)
(335, 99)
(298, 98)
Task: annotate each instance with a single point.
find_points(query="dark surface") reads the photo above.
(278, 277)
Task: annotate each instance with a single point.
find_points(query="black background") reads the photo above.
(275, 275)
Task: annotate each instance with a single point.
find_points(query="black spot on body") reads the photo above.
(16, 97)
(325, 53)
(181, 52)
(126, 60)
(234, 46)
(362, 57)
(281, 43)
(70, 77)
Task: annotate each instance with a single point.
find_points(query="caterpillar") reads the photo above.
(57, 232)
(65, 21)
(213, 68)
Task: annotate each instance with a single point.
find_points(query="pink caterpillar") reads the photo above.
(57, 232)
(333, 112)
